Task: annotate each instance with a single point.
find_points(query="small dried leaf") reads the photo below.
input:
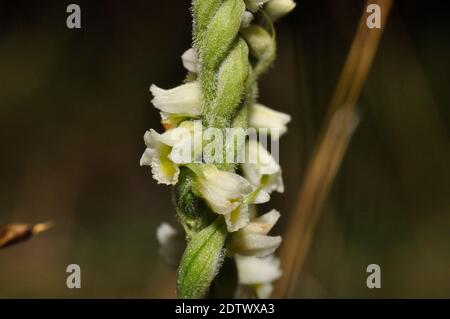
(16, 233)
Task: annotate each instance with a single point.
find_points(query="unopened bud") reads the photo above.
(279, 8)
(258, 40)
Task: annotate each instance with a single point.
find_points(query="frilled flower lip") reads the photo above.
(163, 152)
(156, 156)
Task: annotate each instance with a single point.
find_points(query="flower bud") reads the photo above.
(246, 19)
(279, 8)
(190, 60)
(259, 40)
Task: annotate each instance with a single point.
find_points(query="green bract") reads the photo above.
(201, 261)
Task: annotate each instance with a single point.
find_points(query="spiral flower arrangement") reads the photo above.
(215, 201)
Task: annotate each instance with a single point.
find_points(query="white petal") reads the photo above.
(190, 60)
(255, 244)
(252, 240)
(257, 271)
(274, 182)
(146, 159)
(186, 142)
(262, 224)
(182, 100)
(151, 138)
(263, 161)
(182, 151)
(261, 116)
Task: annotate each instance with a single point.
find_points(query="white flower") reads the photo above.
(261, 169)
(279, 8)
(165, 152)
(177, 103)
(247, 18)
(171, 244)
(252, 240)
(258, 273)
(240, 216)
(190, 60)
(227, 194)
(254, 5)
(261, 117)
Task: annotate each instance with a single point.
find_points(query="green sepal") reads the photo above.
(201, 261)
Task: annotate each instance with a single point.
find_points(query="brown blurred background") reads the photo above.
(74, 105)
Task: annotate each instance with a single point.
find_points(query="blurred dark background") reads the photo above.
(74, 105)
